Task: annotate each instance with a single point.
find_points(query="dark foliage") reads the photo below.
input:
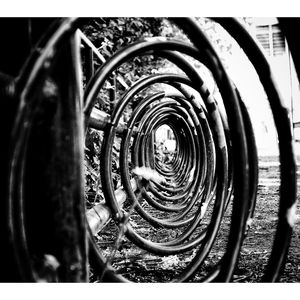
(109, 35)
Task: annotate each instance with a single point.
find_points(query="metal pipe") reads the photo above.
(100, 214)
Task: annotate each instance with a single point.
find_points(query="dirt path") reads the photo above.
(257, 245)
(140, 266)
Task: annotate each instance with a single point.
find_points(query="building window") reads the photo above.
(271, 39)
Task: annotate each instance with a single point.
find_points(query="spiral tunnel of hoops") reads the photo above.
(156, 207)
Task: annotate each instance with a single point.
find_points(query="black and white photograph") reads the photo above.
(150, 149)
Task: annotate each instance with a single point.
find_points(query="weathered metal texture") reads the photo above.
(46, 164)
(62, 185)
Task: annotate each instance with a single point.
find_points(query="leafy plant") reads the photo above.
(109, 35)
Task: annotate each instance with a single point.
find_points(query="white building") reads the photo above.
(268, 35)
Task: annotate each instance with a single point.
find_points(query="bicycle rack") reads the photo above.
(215, 164)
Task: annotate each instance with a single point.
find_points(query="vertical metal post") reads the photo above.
(151, 150)
(44, 238)
(89, 63)
(112, 91)
(62, 176)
